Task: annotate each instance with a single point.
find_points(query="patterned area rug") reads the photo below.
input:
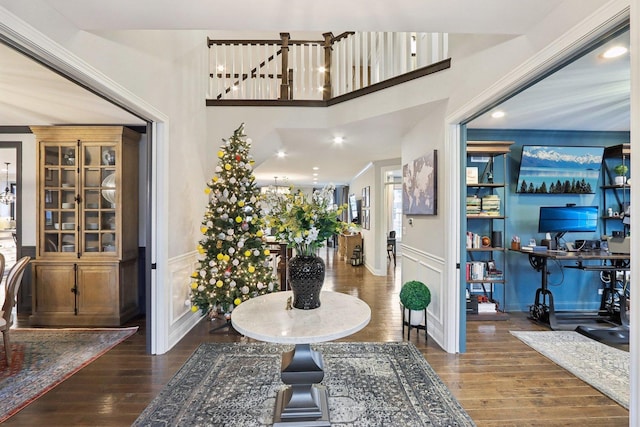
(369, 384)
(43, 358)
(604, 368)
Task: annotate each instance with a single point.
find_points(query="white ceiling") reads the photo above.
(588, 95)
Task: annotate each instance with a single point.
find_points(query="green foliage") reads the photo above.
(415, 295)
(304, 223)
(234, 262)
(621, 170)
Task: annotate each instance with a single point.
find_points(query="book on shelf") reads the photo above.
(486, 307)
(472, 175)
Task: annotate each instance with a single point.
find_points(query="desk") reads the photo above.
(266, 318)
(543, 310)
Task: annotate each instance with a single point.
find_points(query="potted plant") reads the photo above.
(415, 296)
(620, 171)
(304, 223)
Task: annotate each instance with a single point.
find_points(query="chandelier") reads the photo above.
(275, 188)
(7, 197)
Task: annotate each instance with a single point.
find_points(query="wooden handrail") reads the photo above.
(212, 42)
(350, 61)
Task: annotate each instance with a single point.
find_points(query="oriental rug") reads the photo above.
(369, 384)
(43, 358)
(603, 367)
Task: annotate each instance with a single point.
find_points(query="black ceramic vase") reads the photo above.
(306, 276)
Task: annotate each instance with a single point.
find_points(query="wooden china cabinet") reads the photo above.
(86, 267)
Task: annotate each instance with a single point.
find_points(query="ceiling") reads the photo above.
(589, 94)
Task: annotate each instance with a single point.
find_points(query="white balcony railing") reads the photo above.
(316, 69)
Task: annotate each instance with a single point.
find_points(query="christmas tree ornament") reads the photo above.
(225, 277)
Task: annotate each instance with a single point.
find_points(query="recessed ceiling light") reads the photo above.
(281, 154)
(315, 174)
(338, 140)
(614, 52)
(497, 114)
(315, 168)
(220, 68)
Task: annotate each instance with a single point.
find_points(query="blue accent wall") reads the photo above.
(572, 289)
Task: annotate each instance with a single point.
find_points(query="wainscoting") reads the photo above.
(428, 269)
(180, 317)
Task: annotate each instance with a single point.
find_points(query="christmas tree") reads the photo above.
(234, 259)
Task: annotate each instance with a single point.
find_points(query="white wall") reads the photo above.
(166, 71)
(366, 178)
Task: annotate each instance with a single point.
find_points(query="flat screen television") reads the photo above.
(559, 169)
(567, 219)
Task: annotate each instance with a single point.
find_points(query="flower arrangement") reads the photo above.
(304, 222)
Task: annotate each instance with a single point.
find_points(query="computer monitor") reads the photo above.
(567, 219)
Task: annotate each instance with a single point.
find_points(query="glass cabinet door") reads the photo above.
(98, 198)
(60, 198)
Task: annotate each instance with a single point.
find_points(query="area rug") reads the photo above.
(43, 358)
(369, 384)
(603, 367)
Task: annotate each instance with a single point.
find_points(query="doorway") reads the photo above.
(10, 204)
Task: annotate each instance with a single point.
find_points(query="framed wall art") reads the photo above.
(419, 185)
(366, 197)
(366, 219)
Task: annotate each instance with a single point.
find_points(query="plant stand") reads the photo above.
(406, 321)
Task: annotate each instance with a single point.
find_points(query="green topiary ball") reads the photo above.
(415, 295)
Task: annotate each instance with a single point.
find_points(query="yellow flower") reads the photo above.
(227, 167)
(220, 153)
(237, 301)
(226, 257)
(238, 219)
(241, 203)
(267, 252)
(194, 285)
(200, 249)
(259, 233)
(207, 190)
(194, 274)
(220, 257)
(215, 179)
(251, 269)
(194, 308)
(247, 253)
(203, 229)
(219, 283)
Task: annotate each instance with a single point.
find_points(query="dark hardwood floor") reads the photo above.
(499, 380)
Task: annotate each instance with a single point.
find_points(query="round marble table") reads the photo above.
(269, 318)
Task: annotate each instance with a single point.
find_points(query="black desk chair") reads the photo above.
(391, 246)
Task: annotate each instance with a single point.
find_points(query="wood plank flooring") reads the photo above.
(499, 380)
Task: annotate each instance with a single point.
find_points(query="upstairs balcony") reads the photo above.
(287, 72)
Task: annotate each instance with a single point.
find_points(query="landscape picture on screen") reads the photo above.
(559, 170)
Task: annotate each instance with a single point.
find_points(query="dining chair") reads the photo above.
(391, 246)
(14, 278)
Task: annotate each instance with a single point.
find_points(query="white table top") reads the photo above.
(266, 318)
